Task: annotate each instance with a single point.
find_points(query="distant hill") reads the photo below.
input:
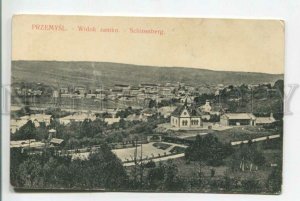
(97, 73)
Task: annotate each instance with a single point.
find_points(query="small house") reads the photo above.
(237, 119)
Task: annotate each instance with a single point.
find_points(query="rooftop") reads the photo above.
(239, 116)
(265, 120)
(192, 110)
(56, 141)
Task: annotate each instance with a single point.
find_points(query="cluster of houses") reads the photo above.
(189, 116)
(125, 92)
(184, 115)
(122, 92)
(51, 142)
(38, 119)
(27, 91)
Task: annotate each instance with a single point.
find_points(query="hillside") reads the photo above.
(97, 73)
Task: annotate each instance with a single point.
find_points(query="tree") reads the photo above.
(208, 149)
(232, 106)
(212, 172)
(86, 129)
(103, 170)
(30, 173)
(170, 176)
(251, 185)
(155, 176)
(98, 127)
(251, 155)
(200, 100)
(150, 164)
(258, 159)
(42, 132)
(152, 103)
(274, 181)
(172, 182)
(125, 113)
(279, 85)
(28, 131)
(106, 169)
(16, 158)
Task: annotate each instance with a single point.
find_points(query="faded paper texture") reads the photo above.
(147, 104)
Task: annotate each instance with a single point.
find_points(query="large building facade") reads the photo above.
(186, 117)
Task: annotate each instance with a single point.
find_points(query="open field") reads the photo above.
(148, 151)
(238, 133)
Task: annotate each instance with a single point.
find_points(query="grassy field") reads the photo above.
(104, 73)
(238, 133)
(192, 168)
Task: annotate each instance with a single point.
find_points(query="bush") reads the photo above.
(208, 149)
(150, 164)
(274, 181)
(251, 186)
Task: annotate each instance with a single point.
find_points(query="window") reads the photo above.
(195, 122)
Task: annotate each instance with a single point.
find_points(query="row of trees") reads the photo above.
(29, 131)
(103, 170)
(208, 149)
(126, 112)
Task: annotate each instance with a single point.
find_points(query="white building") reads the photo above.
(206, 107)
(265, 120)
(112, 120)
(186, 116)
(237, 119)
(135, 117)
(166, 111)
(79, 117)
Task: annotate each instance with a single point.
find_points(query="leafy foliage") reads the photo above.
(102, 171)
(275, 180)
(28, 131)
(208, 149)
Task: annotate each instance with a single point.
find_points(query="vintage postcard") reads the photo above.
(146, 104)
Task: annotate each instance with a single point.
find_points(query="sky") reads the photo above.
(215, 44)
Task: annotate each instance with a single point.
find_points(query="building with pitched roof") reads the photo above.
(238, 119)
(185, 116)
(265, 120)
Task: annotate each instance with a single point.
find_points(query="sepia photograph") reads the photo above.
(141, 104)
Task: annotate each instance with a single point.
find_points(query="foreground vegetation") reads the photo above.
(208, 166)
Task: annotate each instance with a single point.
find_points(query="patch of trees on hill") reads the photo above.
(261, 99)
